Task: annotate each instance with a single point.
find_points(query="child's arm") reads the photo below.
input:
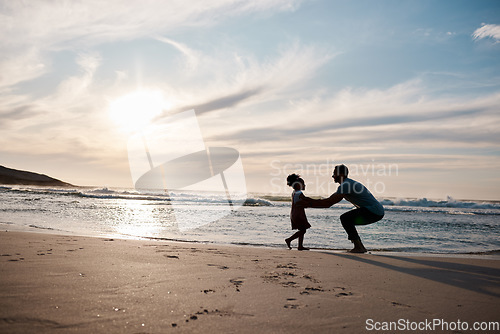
(303, 201)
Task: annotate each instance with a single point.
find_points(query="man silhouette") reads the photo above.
(368, 209)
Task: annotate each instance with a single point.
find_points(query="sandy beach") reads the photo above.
(52, 283)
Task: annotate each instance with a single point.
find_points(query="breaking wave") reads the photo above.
(448, 203)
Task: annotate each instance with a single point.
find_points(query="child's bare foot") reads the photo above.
(288, 243)
(302, 248)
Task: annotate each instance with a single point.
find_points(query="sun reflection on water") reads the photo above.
(142, 219)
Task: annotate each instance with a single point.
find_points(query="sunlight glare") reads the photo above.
(134, 111)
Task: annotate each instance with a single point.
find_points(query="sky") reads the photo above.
(405, 93)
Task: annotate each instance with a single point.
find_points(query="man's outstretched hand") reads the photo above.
(321, 203)
(314, 203)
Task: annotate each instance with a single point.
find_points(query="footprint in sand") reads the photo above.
(207, 291)
(399, 304)
(237, 282)
(312, 279)
(289, 284)
(291, 303)
(292, 306)
(343, 294)
(218, 266)
(287, 266)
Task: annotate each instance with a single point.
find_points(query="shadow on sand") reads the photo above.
(476, 278)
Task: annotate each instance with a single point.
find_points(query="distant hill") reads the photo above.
(14, 176)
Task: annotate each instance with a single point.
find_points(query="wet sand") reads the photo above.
(65, 284)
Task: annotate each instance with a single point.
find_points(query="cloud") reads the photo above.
(223, 102)
(16, 114)
(66, 119)
(74, 114)
(31, 31)
(75, 87)
(16, 67)
(487, 30)
(403, 113)
(230, 79)
(192, 57)
(94, 21)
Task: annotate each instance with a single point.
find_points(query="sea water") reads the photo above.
(409, 226)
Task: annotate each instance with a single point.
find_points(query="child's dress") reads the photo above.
(298, 214)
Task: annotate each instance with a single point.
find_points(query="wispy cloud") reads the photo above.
(487, 31)
(73, 116)
(31, 30)
(53, 123)
(90, 22)
(192, 56)
(237, 80)
(402, 113)
(75, 87)
(18, 66)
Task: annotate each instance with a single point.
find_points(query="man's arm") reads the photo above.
(324, 202)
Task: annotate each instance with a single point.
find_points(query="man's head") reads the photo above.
(340, 172)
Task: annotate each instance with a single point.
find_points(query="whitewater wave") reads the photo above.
(391, 204)
(448, 203)
(153, 196)
(257, 202)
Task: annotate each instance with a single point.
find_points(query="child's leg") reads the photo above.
(301, 240)
(299, 234)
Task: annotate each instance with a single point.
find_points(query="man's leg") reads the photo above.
(350, 219)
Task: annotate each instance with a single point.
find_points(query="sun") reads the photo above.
(134, 111)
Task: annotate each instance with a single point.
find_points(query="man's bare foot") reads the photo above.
(302, 248)
(358, 247)
(288, 243)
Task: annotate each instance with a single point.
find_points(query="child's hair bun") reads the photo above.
(291, 179)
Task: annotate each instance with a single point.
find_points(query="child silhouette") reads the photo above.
(298, 214)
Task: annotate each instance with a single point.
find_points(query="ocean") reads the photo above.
(409, 226)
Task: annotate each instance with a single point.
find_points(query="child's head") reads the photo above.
(296, 182)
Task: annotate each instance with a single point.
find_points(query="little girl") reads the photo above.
(297, 214)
